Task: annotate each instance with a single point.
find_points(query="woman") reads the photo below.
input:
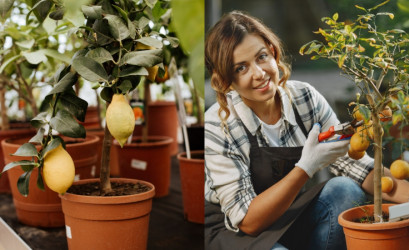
(261, 147)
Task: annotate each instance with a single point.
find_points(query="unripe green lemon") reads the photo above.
(120, 118)
(58, 170)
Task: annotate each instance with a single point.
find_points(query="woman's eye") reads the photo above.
(262, 56)
(240, 69)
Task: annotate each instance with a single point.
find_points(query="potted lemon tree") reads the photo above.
(377, 62)
(111, 60)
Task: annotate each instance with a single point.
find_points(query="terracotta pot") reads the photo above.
(148, 161)
(379, 236)
(192, 181)
(43, 208)
(11, 133)
(163, 121)
(115, 222)
(114, 168)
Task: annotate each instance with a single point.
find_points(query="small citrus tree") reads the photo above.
(377, 61)
(124, 43)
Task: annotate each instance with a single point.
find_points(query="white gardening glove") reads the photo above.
(315, 156)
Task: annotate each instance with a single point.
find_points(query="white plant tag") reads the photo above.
(137, 164)
(68, 231)
(77, 177)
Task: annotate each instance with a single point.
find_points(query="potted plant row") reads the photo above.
(377, 62)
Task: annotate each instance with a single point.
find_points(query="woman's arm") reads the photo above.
(268, 206)
(399, 194)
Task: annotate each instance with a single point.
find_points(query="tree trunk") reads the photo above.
(105, 184)
(4, 125)
(377, 130)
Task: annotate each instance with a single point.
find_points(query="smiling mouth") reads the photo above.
(263, 85)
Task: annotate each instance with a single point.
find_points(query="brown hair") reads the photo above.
(221, 41)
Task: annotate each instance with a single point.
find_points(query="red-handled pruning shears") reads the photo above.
(346, 130)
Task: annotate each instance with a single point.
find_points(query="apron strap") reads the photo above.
(298, 119)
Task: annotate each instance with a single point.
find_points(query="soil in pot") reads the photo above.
(109, 222)
(118, 189)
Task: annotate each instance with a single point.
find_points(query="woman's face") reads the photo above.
(256, 74)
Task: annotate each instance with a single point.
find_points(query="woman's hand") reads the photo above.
(315, 156)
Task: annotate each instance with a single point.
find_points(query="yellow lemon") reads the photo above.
(120, 119)
(356, 155)
(400, 169)
(58, 170)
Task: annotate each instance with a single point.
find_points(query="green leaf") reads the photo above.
(38, 138)
(335, 16)
(57, 15)
(8, 61)
(64, 84)
(39, 120)
(100, 55)
(342, 60)
(92, 12)
(379, 5)
(40, 182)
(106, 94)
(54, 143)
(57, 55)
(150, 41)
(26, 44)
(361, 8)
(23, 183)
(188, 20)
(196, 68)
(133, 71)
(151, 3)
(117, 27)
(65, 124)
(27, 149)
(125, 86)
(74, 104)
(143, 58)
(18, 163)
(5, 6)
(90, 69)
(35, 57)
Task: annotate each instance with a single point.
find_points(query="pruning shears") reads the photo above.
(346, 130)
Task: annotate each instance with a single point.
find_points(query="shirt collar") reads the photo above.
(249, 118)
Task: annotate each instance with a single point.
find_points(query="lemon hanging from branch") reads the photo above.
(120, 118)
(58, 170)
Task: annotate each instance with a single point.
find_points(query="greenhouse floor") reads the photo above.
(167, 230)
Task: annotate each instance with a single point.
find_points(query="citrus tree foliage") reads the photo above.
(111, 59)
(377, 61)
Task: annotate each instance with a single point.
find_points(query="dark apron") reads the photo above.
(268, 165)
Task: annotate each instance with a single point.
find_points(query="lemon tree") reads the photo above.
(377, 61)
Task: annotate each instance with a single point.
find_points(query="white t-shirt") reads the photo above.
(272, 132)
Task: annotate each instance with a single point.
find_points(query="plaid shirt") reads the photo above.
(227, 159)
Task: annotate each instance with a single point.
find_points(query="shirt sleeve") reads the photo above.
(227, 174)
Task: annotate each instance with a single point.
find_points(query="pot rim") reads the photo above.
(370, 227)
(89, 139)
(182, 156)
(110, 199)
(159, 141)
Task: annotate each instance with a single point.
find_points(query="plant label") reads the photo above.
(137, 164)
